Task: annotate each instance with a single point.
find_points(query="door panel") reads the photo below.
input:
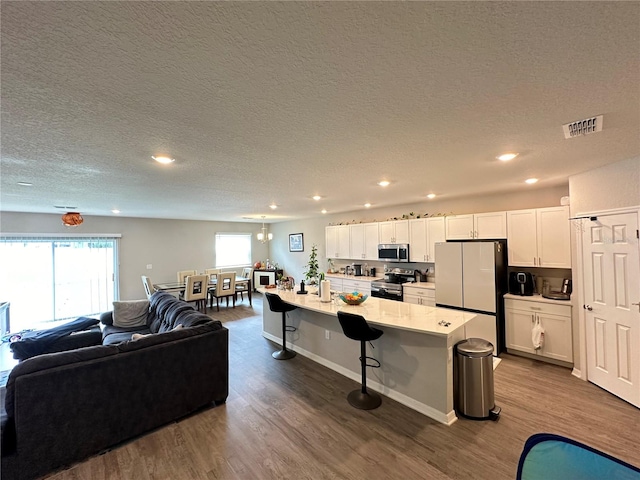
(612, 285)
(479, 277)
(449, 274)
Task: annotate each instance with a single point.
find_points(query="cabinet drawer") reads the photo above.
(420, 292)
(354, 285)
(537, 307)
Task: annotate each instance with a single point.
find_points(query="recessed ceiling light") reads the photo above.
(507, 156)
(367, 205)
(531, 181)
(25, 184)
(384, 183)
(115, 211)
(431, 195)
(324, 211)
(273, 206)
(316, 197)
(163, 159)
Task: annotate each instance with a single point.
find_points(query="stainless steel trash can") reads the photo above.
(473, 380)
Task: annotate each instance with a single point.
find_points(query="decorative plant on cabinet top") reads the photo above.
(311, 273)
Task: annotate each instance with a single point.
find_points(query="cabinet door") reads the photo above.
(336, 284)
(331, 241)
(554, 244)
(356, 241)
(459, 227)
(518, 325)
(416, 300)
(401, 231)
(557, 343)
(386, 231)
(490, 225)
(343, 241)
(418, 240)
(435, 234)
(371, 241)
(522, 238)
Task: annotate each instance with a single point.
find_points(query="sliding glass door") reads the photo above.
(49, 279)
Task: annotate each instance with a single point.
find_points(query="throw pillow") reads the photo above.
(131, 313)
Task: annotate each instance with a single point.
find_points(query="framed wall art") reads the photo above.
(296, 242)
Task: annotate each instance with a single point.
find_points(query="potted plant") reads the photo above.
(311, 273)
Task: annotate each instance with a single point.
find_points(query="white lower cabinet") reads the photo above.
(361, 286)
(336, 284)
(522, 315)
(419, 296)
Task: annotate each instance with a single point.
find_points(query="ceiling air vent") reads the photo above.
(583, 127)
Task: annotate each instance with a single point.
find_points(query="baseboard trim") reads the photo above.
(577, 373)
(446, 418)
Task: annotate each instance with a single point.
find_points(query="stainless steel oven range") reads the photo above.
(391, 287)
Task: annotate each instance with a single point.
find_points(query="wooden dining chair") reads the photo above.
(225, 287)
(241, 288)
(148, 286)
(196, 291)
(184, 273)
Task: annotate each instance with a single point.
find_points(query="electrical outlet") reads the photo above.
(149, 266)
(327, 334)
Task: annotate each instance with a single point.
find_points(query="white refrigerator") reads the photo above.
(471, 276)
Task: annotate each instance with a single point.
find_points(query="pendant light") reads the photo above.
(263, 236)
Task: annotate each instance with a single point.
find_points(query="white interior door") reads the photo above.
(612, 291)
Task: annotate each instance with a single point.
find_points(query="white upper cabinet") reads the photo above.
(396, 231)
(337, 241)
(435, 234)
(539, 237)
(424, 233)
(489, 225)
(364, 241)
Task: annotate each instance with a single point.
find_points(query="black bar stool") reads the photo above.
(356, 327)
(277, 305)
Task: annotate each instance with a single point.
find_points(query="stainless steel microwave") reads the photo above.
(395, 252)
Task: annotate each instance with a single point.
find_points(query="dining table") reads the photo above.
(173, 287)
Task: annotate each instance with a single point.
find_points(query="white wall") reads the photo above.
(168, 245)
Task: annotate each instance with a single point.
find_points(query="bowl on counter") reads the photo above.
(354, 298)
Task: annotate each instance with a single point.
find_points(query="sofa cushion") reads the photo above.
(130, 313)
(112, 335)
(166, 337)
(166, 322)
(192, 318)
(51, 360)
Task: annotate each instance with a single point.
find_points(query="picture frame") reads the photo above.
(296, 242)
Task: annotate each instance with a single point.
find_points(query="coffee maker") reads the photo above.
(357, 269)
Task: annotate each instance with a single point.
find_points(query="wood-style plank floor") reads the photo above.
(291, 420)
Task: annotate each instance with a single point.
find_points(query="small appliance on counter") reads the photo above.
(563, 294)
(356, 269)
(521, 283)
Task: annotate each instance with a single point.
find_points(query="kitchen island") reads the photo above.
(415, 351)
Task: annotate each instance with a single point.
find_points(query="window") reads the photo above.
(50, 278)
(233, 250)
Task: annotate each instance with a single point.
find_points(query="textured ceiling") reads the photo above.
(269, 102)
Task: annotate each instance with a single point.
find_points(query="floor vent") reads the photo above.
(583, 127)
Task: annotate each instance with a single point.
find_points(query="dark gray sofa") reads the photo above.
(64, 407)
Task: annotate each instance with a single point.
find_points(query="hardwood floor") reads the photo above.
(291, 420)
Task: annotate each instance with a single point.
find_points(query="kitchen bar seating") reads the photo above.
(277, 305)
(356, 327)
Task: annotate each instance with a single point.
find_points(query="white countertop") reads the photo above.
(537, 298)
(424, 285)
(342, 276)
(388, 313)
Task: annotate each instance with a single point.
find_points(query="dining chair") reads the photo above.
(196, 291)
(225, 287)
(241, 288)
(148, 286)
(184, 273)
(211, 272)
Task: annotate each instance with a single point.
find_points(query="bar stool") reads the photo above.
(356, 327)
(277, 305)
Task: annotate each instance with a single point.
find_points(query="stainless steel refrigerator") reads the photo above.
(472, 276)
